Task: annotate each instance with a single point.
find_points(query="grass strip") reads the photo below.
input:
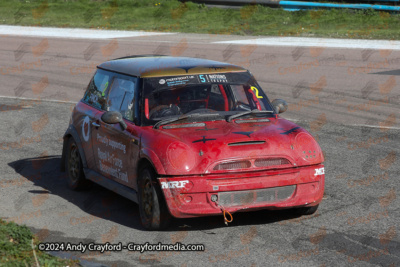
(188, 17)
(16, 248)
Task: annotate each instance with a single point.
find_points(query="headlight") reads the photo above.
(307, 148)
(180, 156)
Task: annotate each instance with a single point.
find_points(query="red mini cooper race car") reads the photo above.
(189, 137)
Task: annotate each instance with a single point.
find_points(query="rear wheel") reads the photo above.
(307, 210)
(76, 177)
(153, 210)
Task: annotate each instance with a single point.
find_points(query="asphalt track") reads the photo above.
(348, 98)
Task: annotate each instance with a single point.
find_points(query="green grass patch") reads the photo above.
(16, 248)
(175, 16)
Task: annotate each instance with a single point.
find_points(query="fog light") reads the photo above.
(214, 198)
(188, 199)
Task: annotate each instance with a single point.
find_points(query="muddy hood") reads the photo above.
(198, 150)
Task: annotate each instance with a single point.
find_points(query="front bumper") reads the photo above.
(190, 196)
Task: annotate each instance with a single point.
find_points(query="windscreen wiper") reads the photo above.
(166, 121)
(254, 111)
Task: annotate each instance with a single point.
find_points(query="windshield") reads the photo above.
(225, 94)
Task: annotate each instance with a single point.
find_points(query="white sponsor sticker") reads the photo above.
(86, 128)
(319, 171)
(217, 78)
(162, 81)
(175, 184)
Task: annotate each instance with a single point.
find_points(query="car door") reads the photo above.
(116, 150)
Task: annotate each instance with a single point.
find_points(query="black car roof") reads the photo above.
(157, 66)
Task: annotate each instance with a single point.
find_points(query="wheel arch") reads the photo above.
(143, 163)
(152, 158)
(72, 133)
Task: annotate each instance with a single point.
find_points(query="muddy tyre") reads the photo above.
(74, 167)
(153, 209)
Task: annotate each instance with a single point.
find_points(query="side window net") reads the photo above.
(121, 97)
(97, 90)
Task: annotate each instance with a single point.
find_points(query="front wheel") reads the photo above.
(153, 210)
(76, 177)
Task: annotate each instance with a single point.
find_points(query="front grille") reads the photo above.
(243, 164)
(258, 163)
(249, 197)
(271, 162)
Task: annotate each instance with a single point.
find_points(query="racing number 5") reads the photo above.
(256, 90)
(202, 79)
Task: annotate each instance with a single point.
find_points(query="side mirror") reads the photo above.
(279, 105)
(112, 117)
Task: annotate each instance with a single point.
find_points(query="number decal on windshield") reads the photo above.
(202, 79)
(256, 90)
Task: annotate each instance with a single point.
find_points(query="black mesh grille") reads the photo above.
(271, 162)
(243, 164)
(249, 197)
